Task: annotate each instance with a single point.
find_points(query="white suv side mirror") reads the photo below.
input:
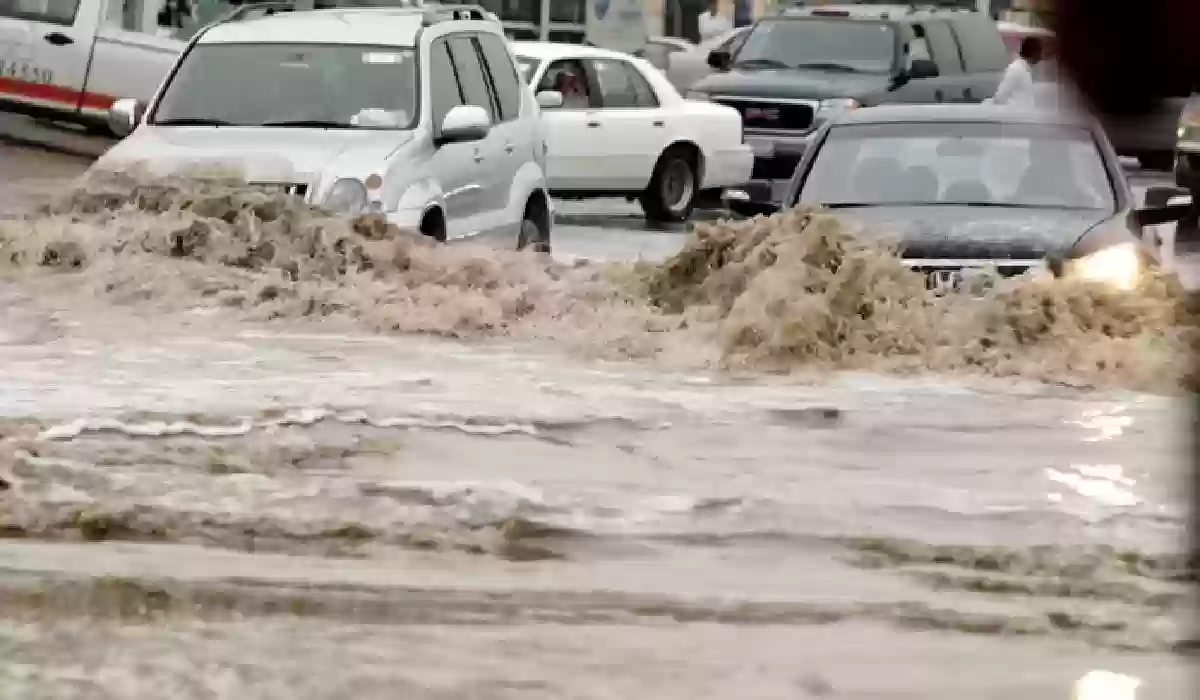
(550, 99)
(464, 123)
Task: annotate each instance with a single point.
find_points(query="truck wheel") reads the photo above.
(1159, 160)
(671, 194)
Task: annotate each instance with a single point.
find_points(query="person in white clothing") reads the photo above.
(712, 23)
(1016, 87)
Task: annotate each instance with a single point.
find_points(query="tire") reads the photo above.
(671, 194)
(534, 234)
(433, 224)
(1159, 160)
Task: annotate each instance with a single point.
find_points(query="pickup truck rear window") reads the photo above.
(854, 46)
(61, 12)
(300, 85)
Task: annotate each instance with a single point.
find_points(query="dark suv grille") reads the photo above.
(776, 116)
(939, 275)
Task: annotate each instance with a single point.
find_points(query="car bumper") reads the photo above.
(727, 167)
(775, 161)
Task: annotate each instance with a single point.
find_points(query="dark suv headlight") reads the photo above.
(1119, 266)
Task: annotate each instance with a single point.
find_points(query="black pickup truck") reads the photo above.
(803, 65)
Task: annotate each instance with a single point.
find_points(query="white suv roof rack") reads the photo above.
(433, 12)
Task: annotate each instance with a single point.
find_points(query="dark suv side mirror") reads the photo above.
(923, 68)
(719, 59)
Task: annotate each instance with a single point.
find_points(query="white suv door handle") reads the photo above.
(508, 148)
(478, 156)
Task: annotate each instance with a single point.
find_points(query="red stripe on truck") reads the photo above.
(43, 92)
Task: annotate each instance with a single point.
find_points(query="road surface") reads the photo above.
(220, 508)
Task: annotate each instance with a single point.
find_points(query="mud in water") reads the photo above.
(794, 292)
(241, 439)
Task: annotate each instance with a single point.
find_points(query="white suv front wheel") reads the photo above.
(534, 234)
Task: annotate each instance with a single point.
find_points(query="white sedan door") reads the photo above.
(631, 124)
(574, 146)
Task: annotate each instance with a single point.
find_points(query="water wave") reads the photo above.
(798, 290)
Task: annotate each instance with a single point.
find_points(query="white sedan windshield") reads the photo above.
(1018, 165)
(329, 85)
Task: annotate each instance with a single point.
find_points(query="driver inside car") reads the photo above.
(1043, 181)
(574, 94)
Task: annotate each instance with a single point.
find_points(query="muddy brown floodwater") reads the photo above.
(257, 453)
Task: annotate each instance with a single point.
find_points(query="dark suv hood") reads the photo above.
(983, 233)
(798, 84)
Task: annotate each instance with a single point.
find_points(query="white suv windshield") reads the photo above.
(319, 85)
(825, 44)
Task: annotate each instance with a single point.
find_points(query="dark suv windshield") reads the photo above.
(971, 164)
(829, 44)
(298, 85)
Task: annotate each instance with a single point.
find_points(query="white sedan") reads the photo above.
(615, 126)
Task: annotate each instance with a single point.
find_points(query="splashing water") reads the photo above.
(228, 508)
(794, 291)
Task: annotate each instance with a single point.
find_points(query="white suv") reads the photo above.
(417, 113)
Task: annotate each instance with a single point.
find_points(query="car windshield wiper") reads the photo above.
(824, 65)
(760, 63)
(192, 121)
(308, 124)
(1013, 205)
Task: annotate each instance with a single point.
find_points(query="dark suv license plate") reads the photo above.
(944, 281)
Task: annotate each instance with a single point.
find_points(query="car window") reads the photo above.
(470, 74)
(646, 97)
(568, 77)
(621, 85)
(444, 91)
(275, 84)
(857, 45)
(982, 47)
(61, 12)
(503, 75)
(944, 48)
(1020, 165)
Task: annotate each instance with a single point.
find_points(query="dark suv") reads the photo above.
(803, 65)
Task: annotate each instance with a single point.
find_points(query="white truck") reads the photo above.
(69, 60)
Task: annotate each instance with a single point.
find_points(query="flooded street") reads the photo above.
(224, 502)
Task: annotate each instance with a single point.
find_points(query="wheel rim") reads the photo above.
(677, 185)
